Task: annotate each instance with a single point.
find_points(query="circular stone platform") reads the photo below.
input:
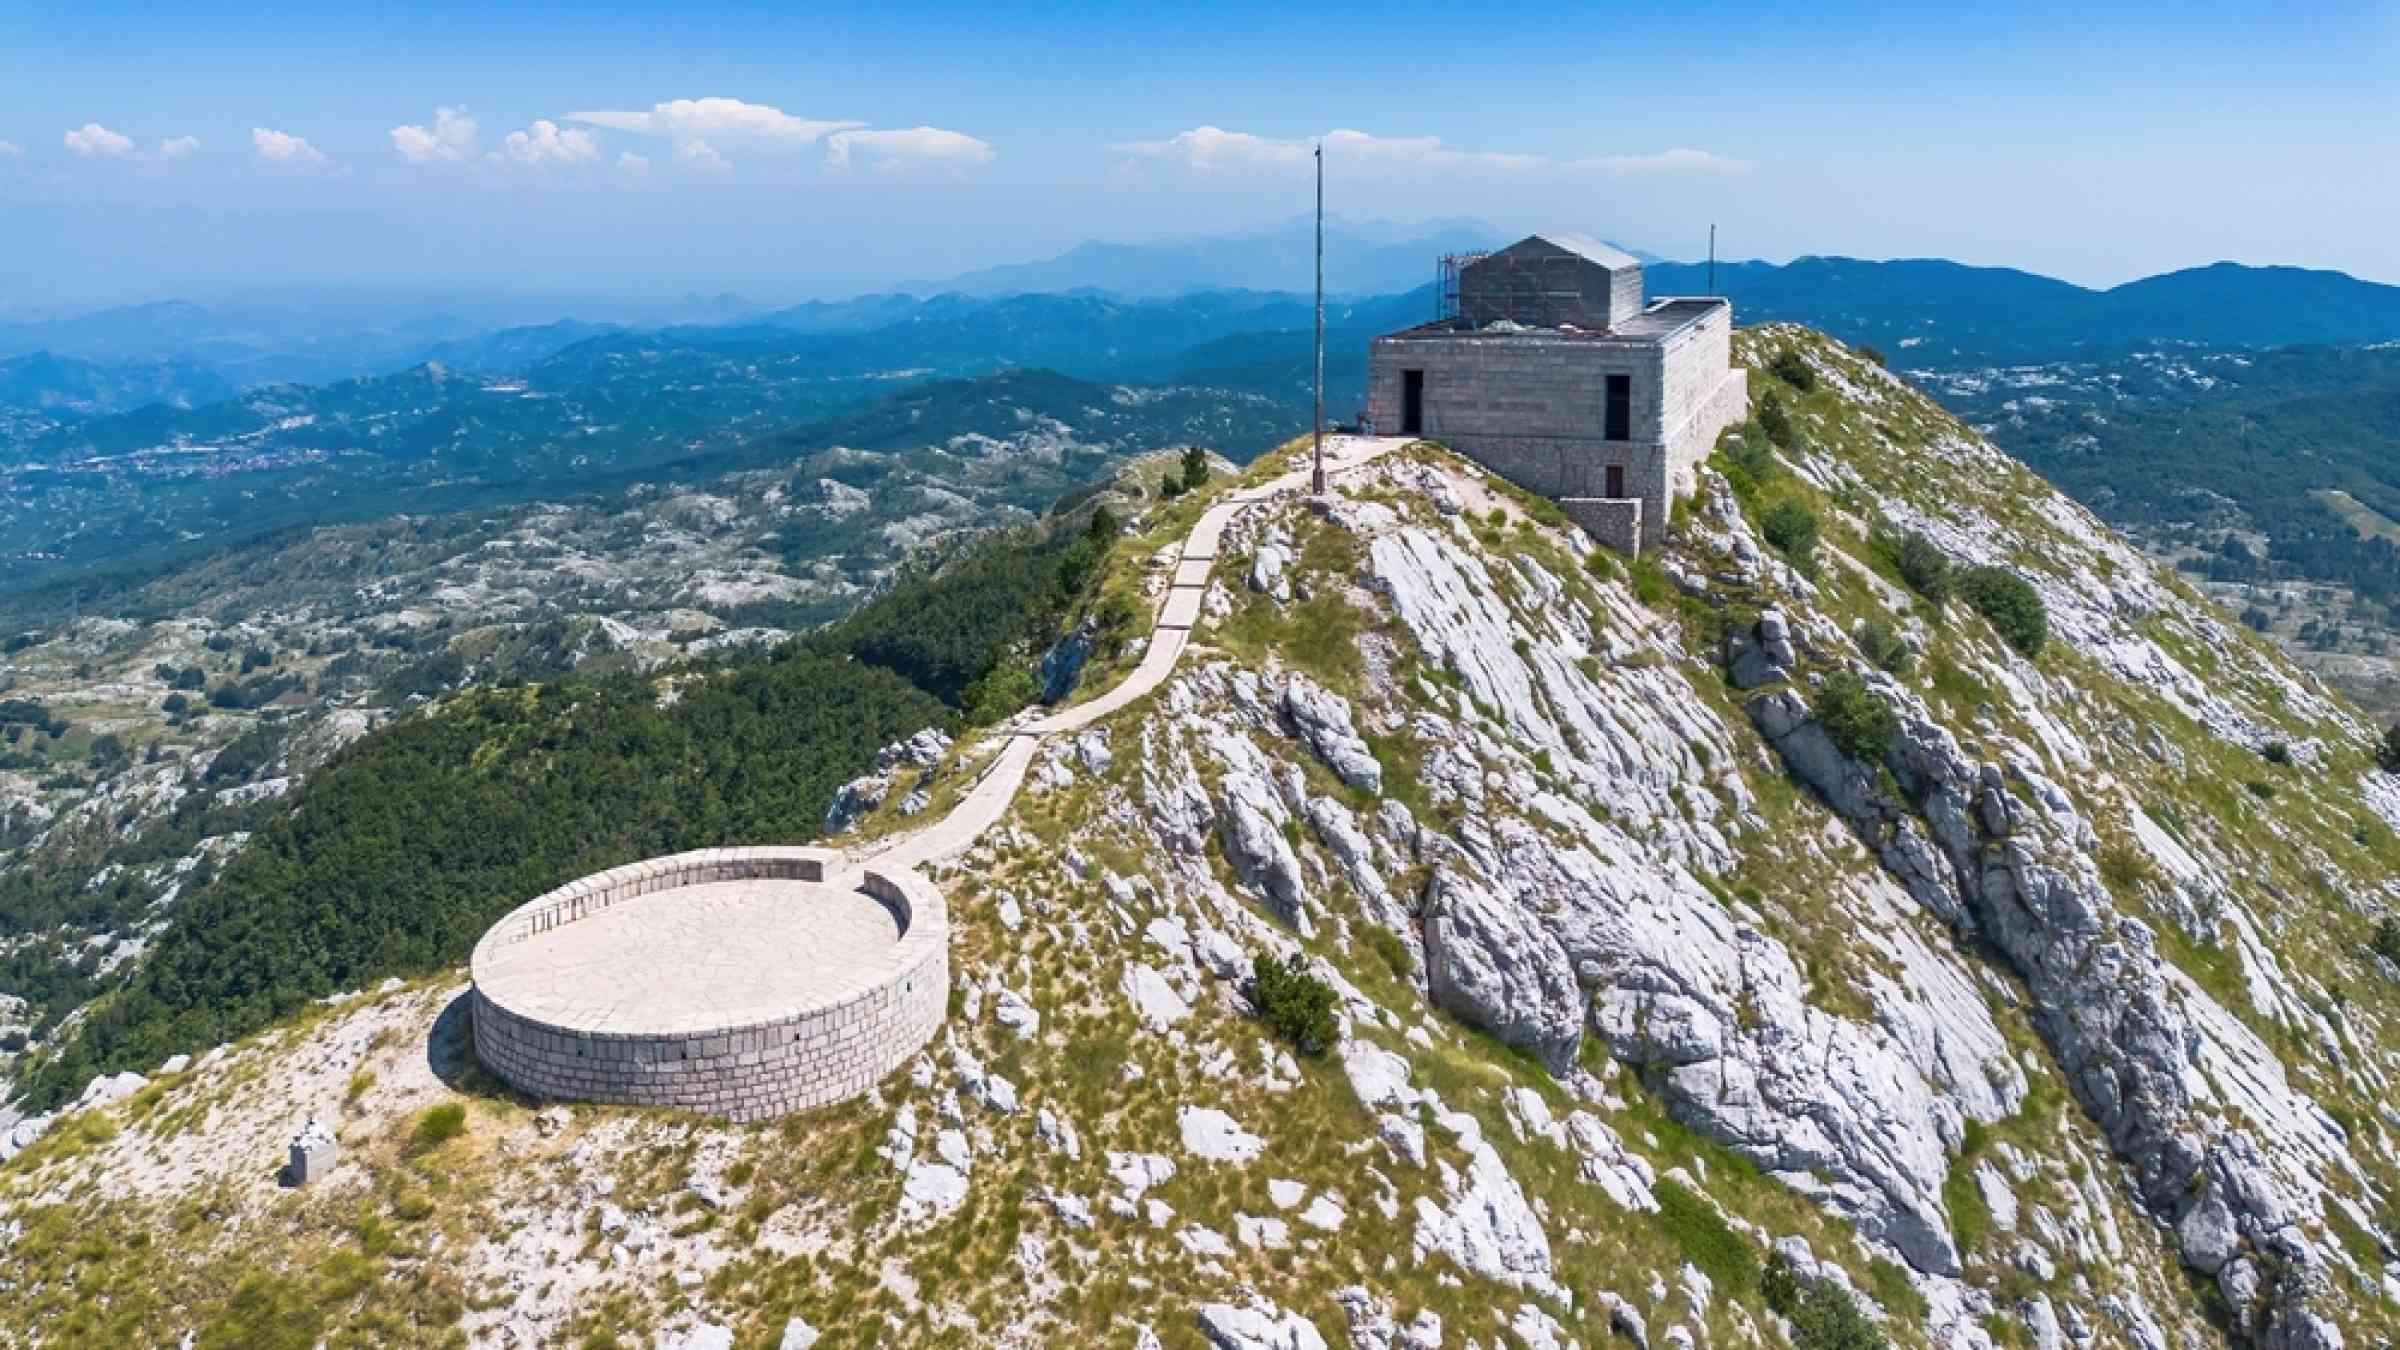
(739, 982)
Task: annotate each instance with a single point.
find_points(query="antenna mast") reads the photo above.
(1317, 476)
(1712, 257)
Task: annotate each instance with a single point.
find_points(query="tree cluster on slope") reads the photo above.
(396, 855)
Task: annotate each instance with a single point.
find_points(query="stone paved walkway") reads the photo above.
(983, 805)
(699, 958)
(723, 954)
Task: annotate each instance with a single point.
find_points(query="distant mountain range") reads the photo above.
(1935, 313)
(1360, 259)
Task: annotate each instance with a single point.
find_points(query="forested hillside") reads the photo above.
(396, 856)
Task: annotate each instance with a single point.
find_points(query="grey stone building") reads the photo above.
(1558, 376)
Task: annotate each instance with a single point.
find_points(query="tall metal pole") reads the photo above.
(1317, 478)
(1712, 257)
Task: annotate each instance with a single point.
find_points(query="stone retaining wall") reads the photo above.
(809, 1057)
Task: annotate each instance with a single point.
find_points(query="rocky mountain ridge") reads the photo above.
(1669, 1006)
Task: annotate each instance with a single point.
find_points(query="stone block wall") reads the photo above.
(1531, 410)
(753, 1071)
(1615, 521)
(1514, 385)
(1705, 393)
(1532, 407)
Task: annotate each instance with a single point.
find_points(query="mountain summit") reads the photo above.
(1889, 912)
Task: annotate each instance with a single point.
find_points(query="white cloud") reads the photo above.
(632, 163)
(10, 150)
(281, 147)
(1208, 149)
(1666, 161)
(892, 151)
(449, 140)
(690, 119)
(702, 156)
(176, 147)
(544, 143)
(1212, 149)
(94, 139)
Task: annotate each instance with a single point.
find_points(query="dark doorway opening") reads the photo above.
(1412, 403)
(1616, 481)
(1620, 410)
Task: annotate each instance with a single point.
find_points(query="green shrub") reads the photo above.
(1828, 1318)
(1753, 455)
(1793, 369)
(1874, 354)
(1774, 421)
(436, 1127)
(2011, 604)
(1887, 649)
(2265, 792)
(1195, 468)
(1857, 719)
(1779, 1286)
(2276, 752)
(2387, 939)
(2387, 754)
(1923, 565)
(1293, 1003)
(999, 692)
(1706, 1239)
(1792, 528)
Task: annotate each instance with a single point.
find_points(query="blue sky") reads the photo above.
(202, 148)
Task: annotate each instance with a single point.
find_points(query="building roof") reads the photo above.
(1661, 320)
(1584, 246)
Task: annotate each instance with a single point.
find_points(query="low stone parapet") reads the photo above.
(812, 1055)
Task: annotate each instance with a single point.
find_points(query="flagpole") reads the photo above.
(1317, 479)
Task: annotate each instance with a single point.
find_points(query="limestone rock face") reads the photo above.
(1323, 719)
(1490, 963)
(1761, 653)
(862, 795)
(2002, 850)
(1062, 664)
(1258, 1327)
(1250, 829)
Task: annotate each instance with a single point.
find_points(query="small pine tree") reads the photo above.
(1793, 369)
(1792, 528)
(1195, 468)
(2012, 605)
(1923, 566)
(2387, 939)
(2387, 755)
(1857, 719)
(1293, 1003)
(1774, 421)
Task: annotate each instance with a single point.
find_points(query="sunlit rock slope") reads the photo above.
(1736, 947)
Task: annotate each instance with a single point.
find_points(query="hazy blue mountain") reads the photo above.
(1360, 259)
(47, 382)
(1931, 312)
(513, 350)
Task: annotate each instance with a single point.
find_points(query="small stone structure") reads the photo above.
(740, 982)
(313, 1154)
(1557, 376)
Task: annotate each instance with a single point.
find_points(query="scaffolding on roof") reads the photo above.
(1446, 284)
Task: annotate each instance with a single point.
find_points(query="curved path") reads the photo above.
(989, 799)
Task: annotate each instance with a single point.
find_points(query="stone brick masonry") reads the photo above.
(748, 1070)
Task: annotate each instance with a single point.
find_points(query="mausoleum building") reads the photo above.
(1556, 374)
